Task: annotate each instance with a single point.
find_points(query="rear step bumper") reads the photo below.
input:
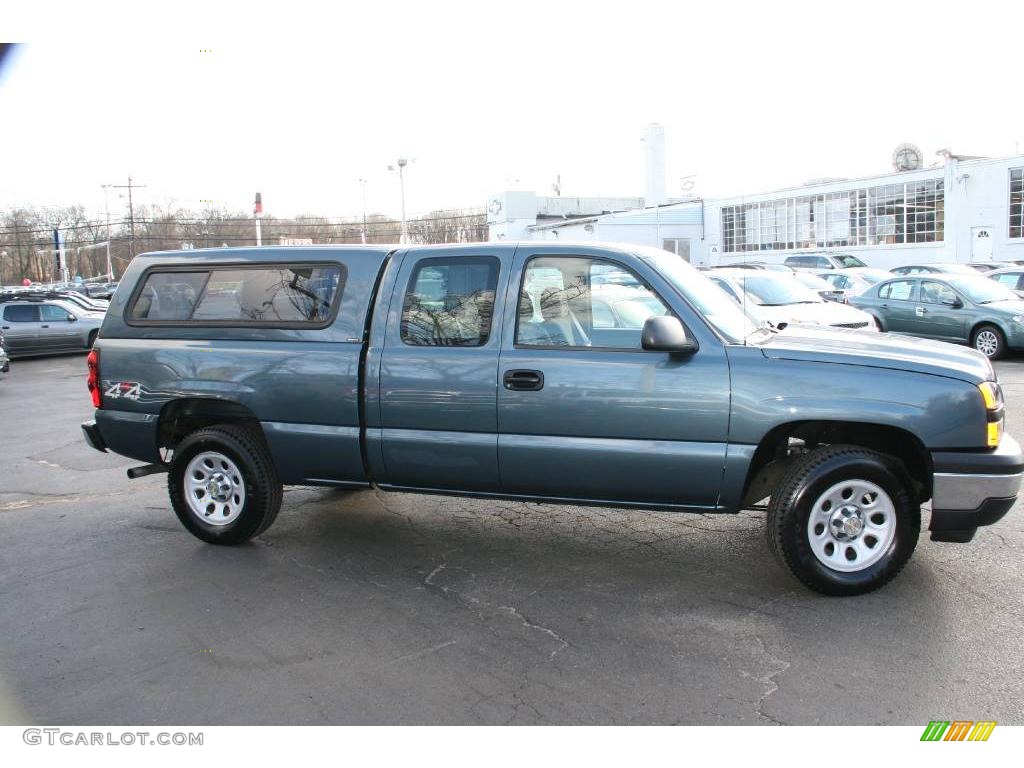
(93, 436)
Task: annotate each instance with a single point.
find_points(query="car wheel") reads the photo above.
(91, 342)
(844, 519)
(878, 324)
(989, 340)
(223, 485)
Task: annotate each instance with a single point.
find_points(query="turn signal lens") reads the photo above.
(995, 433)
(991, 394)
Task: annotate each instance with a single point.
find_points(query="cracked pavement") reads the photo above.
(367, 607)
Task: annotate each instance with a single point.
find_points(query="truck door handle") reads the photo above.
(44, 326)
(523, 381)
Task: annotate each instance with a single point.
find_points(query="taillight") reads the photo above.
(93, 361)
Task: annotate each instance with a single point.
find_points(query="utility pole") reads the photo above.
(257, 212)
(131, 212)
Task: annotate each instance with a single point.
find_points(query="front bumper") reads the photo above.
(971, 489)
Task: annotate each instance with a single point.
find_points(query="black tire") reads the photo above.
(91, 341)
(247, 449)
(879, 326)
(989, 332)
(810, 476)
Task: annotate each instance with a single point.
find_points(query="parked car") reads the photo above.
(966, 309)
(96, 290)
(33, 327)
(988, 266)
(855, 280)
(73, 297)
(824, 261)
(783, 300)
(758, 265)
(823, 288)
(1011, 277)
(429, 369)
(937, 268)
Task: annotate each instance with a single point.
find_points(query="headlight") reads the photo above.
(992, 396)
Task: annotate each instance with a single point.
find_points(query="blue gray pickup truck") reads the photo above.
(579, 374)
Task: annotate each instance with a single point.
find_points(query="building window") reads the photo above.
(680, 246)
(924, 211)
(1017, 202)
(893, 214)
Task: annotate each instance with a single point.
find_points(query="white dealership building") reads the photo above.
(962, 209)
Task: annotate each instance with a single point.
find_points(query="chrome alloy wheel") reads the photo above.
(214, 488)
(986, 342)
(851, 525)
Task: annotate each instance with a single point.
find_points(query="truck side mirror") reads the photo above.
(666, 334)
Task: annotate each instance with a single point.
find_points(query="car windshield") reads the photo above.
(813, 281)
(850, 261)
(872, 276)
(982, 290)
(770, 289)
(707, 298)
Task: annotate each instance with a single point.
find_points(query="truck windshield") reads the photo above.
(706, 297)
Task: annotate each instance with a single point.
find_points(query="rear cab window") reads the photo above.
(273, 295)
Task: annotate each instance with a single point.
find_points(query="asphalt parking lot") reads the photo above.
(362, 607)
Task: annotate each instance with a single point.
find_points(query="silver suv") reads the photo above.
(47, 327)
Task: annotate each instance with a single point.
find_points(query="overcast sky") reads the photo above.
(299, 103)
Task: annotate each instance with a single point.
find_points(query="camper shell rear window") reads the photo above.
(265, 295)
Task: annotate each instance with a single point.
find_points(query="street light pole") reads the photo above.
(402, 162)
(363, 183)
(106, 207)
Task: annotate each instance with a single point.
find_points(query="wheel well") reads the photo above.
(185, 415)
(787, 440)
(974, 330)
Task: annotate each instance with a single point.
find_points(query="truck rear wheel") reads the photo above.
(844, 519)
(223, 485)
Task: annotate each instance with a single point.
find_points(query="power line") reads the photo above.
(283, 223)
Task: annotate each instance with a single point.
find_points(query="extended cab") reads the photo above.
(582, 374)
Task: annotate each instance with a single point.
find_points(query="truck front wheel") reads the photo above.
(844, 519)
(223, 485)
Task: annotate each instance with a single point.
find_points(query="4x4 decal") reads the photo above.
(127, 390)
